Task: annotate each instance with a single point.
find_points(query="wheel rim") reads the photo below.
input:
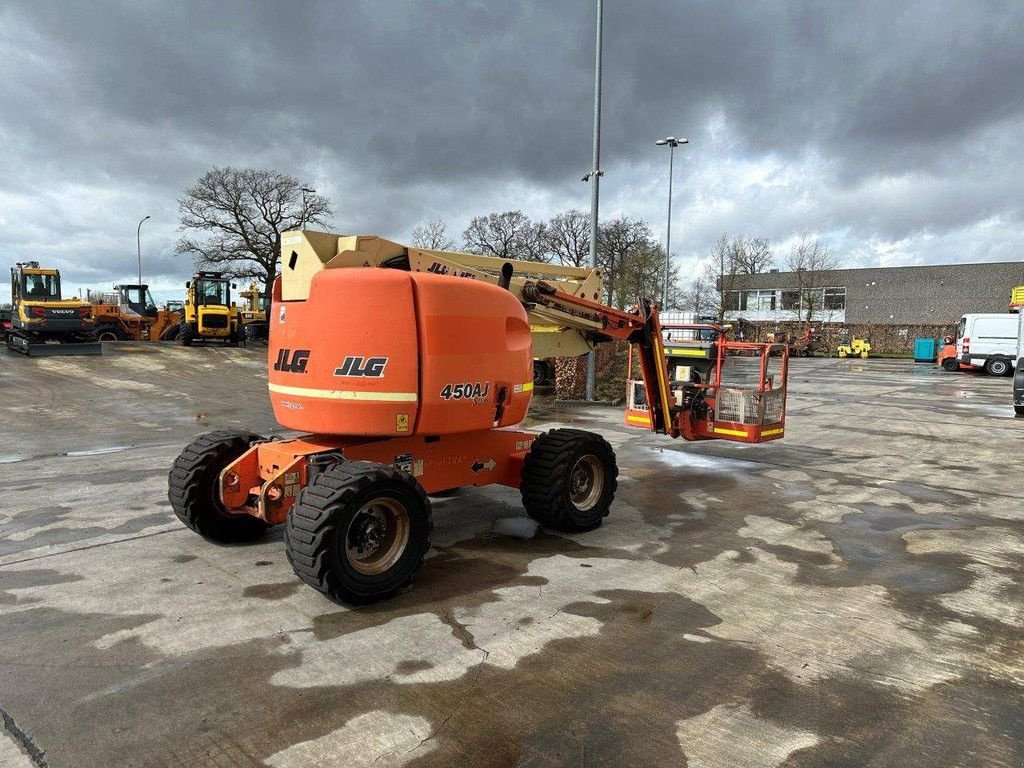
(586, 482)
(377, 536)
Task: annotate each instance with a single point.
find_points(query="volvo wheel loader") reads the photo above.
(405, 380)
(210, 314)
(42, 321)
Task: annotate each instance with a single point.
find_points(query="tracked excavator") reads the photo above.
(407, 371)
(43, 322)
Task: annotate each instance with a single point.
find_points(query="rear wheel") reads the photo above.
(569, 480)
(997, 366)
(950, 364)
(192, 488)
(359, 531)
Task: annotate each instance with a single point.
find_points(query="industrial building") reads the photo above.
(920, 295)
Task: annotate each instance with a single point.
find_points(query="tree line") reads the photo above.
(731, 257)
(631, 260)
(232, 220)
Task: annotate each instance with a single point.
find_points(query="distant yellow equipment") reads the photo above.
(42, 321)
(210, 315)
(1017, 299)
(254, 313)
(857, 347)
(128, 313)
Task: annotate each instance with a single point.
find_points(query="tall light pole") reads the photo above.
(138, 246)
(671, 142)
(594, 177)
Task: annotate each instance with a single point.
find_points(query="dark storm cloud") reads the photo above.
(408, 109)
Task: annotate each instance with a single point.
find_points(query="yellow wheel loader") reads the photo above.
(44, 323)
(254, 313)
(210, 314)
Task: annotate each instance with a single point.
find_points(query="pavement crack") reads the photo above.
(459, 630)
(35, 753)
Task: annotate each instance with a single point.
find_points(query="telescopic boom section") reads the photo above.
(641, 328)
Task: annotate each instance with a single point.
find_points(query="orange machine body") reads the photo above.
(388, 353)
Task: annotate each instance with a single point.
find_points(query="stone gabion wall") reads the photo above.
(610, 381)
(885, 339)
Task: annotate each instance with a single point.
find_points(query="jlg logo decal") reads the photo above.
(372, 367)
(292, 362)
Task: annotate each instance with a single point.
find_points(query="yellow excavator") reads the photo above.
(42, 321)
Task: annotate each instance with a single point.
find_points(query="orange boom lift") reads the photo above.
(406, 383)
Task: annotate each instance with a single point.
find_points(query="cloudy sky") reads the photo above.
(893, 129)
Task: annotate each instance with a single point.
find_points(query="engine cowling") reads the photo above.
(384, 352)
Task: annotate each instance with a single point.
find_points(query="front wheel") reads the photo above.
(194, 493)
(950, 364)
(359, 531)
(569, 480)
(187, 334)
(997, 366)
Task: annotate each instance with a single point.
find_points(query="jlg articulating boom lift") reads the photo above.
(44, 323)
(408, 382)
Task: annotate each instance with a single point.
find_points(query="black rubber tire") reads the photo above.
(171, 334)
(950, 364)
(997, 366)
(256, 331)
(540, 373)
(187, 334)
(110, 331)
(545, 483)
(1019, 410)
(192, 485)
(319, 521)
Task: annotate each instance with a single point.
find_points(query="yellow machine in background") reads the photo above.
(210, 315)
(1017, 299)
(855, 348)
(128, 313)
(44, 323)
(254, 313)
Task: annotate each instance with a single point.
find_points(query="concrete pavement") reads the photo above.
(848, 596)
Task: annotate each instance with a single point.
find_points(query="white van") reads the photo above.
(988, 341)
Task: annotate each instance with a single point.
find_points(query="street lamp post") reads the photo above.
(671, 142)
(138, 246)
(594, 177)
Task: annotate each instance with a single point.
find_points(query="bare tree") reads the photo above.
(722, 271)
(701, 295)
(433, 236)
(507, 235)
(752, 255)
(809, 259)
(239, 215)
(568, 236)
(618, 241)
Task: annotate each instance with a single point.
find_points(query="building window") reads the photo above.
(761, 301)
(791, 300)
(731, 301)
(835, 298)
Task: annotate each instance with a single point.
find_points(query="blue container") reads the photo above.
(925, 350)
